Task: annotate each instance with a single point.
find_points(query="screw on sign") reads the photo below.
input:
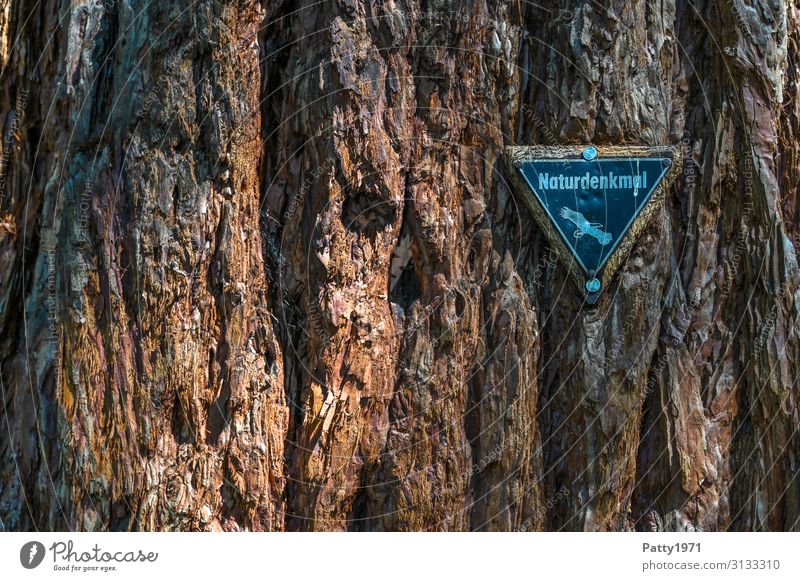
(591, 202)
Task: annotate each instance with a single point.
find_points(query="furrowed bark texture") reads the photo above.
(262, 268)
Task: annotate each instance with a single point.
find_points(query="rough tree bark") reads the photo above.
(262, 268)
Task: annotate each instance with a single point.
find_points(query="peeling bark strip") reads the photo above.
(262, 268)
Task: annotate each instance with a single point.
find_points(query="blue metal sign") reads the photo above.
(592, 198)
(593, 203)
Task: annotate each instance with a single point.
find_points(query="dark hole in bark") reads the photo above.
(407, 290)
(366, 213)
(181, 430)
(218, 414)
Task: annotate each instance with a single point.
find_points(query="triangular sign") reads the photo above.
(593, 202)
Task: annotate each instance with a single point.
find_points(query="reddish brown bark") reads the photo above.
(263, 269)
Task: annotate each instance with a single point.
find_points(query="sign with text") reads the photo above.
(592, 202)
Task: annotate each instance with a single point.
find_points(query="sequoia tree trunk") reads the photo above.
(262, 268)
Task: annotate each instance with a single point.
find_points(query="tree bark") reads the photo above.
(262, 268)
